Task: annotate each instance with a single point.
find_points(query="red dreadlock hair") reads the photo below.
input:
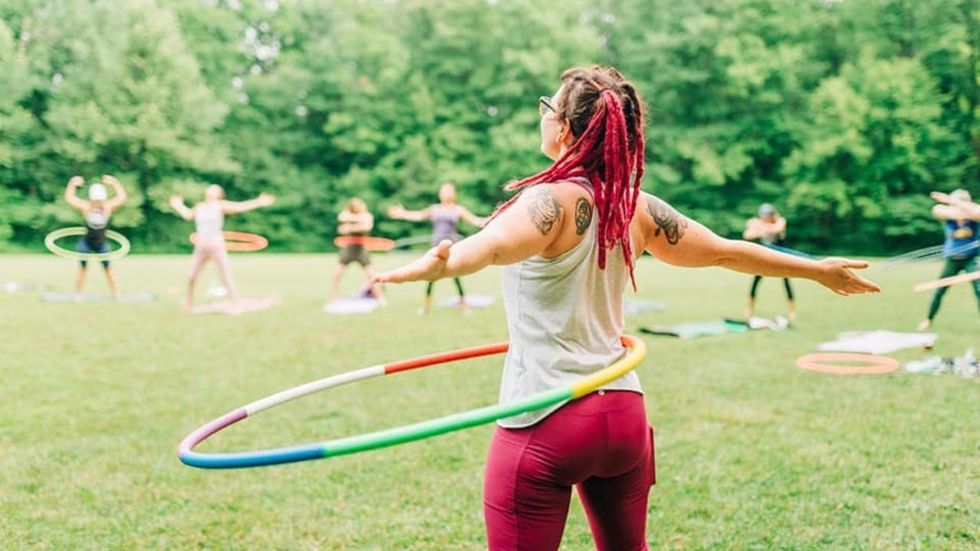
(606, 119)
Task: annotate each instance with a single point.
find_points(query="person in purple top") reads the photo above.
(445, 217)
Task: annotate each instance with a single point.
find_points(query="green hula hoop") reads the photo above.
(50, 243)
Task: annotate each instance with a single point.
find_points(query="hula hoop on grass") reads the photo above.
(399, 435)
(375, 244)
(240, 241)
(51, 238)
(877, 365)
(947, 281)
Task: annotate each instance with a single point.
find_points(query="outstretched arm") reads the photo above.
(399, 212)
(966, 209)
(525, 229)
(947, 212)
(238, 207)
(177, 203)
(471, 218)
(120, 192)
(71, 193)
(673, 238)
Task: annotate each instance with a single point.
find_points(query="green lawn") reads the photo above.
(752, 453)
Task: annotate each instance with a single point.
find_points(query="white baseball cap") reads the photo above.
(98, 192)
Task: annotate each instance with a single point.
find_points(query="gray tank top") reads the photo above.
(444, 223)
(565, 317)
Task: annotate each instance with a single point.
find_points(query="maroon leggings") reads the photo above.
(603, 445)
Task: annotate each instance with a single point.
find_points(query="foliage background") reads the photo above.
(842, 113)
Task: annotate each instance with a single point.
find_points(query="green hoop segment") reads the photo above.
(51, 238)
(636, 351)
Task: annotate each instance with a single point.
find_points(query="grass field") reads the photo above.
(752, 453)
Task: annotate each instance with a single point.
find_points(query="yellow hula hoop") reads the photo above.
(51, 238)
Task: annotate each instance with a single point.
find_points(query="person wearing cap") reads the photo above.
(96, 211)
(961, 246)
(768, 228)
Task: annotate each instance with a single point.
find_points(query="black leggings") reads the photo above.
(459, 287)
(758, 278)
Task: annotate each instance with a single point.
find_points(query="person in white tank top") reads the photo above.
(569, 239)
(209, 220)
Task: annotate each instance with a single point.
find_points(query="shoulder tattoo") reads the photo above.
(667, 219)
(543, 209)
(583, 215)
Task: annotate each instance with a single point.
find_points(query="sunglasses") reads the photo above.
(545, 105)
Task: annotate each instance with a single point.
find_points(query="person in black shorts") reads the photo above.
(96, 211)
(354, 221)
(768, 228)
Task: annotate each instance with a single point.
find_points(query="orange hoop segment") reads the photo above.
(379, 244)
(874, 365)
(240, 241)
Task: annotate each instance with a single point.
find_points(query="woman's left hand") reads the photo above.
(266, 199)
(430, 267)
(837, 276)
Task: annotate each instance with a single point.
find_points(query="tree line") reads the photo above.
(843, 114)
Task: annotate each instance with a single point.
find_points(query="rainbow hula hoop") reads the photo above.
(51, 238)
(399, 435)
(240, 241)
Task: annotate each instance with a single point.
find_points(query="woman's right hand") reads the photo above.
(396, 211)
(76, 181)
(430, 267)
(836, 274)
(176, 200)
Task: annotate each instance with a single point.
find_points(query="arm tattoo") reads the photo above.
(544, 210)
(583, 215)
(668, 220)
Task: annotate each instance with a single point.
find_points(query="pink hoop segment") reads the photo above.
(947, 281)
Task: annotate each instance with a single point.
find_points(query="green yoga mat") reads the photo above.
(694, 329)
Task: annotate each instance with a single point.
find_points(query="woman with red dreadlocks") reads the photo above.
(568, 241)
